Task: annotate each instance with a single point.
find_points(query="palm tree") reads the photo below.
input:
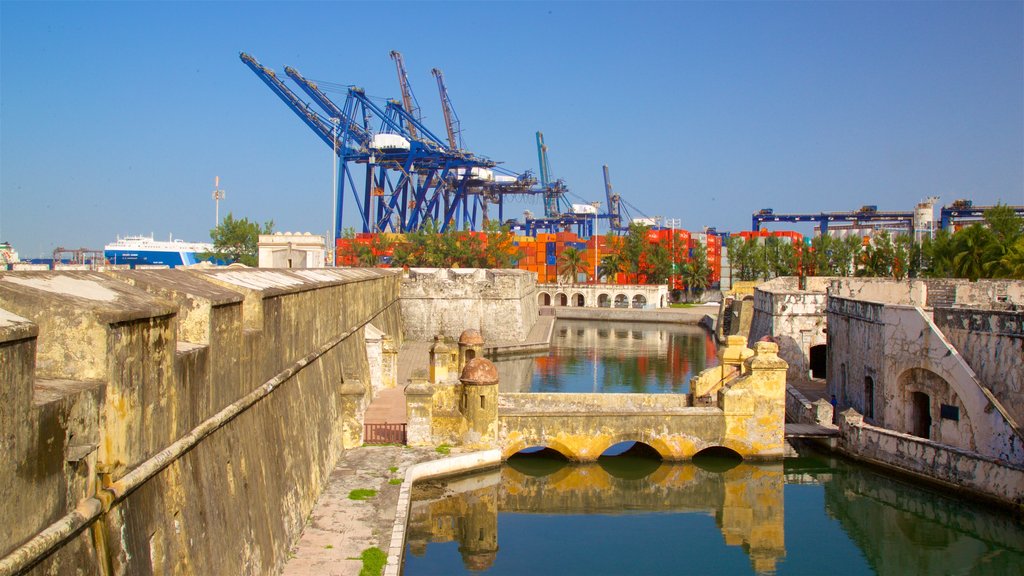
(611, 264)
(974, 248)
(696, 273)
(570, 264)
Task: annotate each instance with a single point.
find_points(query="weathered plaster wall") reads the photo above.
(992, 343)
(961, 469)
(234, 502)
(796, 321)
(500, 304)
(902, 352)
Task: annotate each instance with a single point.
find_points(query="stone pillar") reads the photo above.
(419, 412)
(439, 357)
(352, 411)
(389, 362)
(736, 353)
(755, 405)
(471, 345)
(478, 403)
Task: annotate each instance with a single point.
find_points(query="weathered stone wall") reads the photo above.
(883, 354)
(794, 318)
(992, 343)
(138, 359)
(956, 468)
(500, 304)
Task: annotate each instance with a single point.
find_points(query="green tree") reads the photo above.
(975, 247)
(697, 273)
(238, 240)
(743, 257)
(570, 264)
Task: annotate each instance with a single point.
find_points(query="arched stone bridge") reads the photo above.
(583, 426)
(739, 405)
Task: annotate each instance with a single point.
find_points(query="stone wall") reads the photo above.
(794, 318)
(955, 468)
(200, 409)
(887, 359)
(992, 343)
(500, 304)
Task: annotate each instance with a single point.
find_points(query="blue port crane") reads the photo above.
(965, 211)
(824, 219)
(407, 180)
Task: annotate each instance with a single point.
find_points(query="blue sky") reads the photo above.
(115, 117)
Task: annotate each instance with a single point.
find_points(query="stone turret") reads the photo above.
(439, 356)
(478, 403)
(471, 345)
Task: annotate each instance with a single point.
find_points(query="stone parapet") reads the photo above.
(172, 399)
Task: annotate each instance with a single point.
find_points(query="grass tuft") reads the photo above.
(361, 494)
(444, 449)
(374, 560)
(395, 481)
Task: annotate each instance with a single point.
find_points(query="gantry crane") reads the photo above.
(408, 179)
(409, 102)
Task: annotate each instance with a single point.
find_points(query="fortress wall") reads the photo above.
(501, 304)
(106, 374)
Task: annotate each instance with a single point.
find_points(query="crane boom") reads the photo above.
(357, 132)
(308, 115)
(614, 200)
(408, 98)
(451, 120)
(542, 157)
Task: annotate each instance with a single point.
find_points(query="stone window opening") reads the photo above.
(869, 397)
(483, 401)
(921, 414)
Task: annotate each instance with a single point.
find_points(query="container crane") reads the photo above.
(451, 120)
(614, 202)
(409, 102)
(408, 180)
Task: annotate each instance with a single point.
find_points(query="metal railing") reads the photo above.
(384, 434)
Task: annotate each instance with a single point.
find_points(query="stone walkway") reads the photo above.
(340, 529)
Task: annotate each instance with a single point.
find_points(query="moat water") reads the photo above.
(634, 515)
(644, 358)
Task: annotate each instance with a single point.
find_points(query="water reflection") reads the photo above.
(627, 515)
(620, 357)
(746, 503)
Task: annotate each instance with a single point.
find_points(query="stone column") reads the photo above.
(439, 356)
(352, 411)
(478, 403)
(419, 412)
(389, 362)
(755, 405)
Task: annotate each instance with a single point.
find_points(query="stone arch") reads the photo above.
(717, 450)
(817, 361)
(543, 299)
(578, 300)
(561, 299)
(659, 445)
(621, 301)
(514, 447)
(639, 301)
(604, 300)
(973, 423)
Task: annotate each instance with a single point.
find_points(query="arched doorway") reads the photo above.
(604, 301)
(543, 299)
(577, 299)
(921, 415)
(563, 300)
(639, 301)
(818, 361)
(621, 301)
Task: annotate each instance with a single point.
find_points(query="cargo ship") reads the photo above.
(144, 250)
